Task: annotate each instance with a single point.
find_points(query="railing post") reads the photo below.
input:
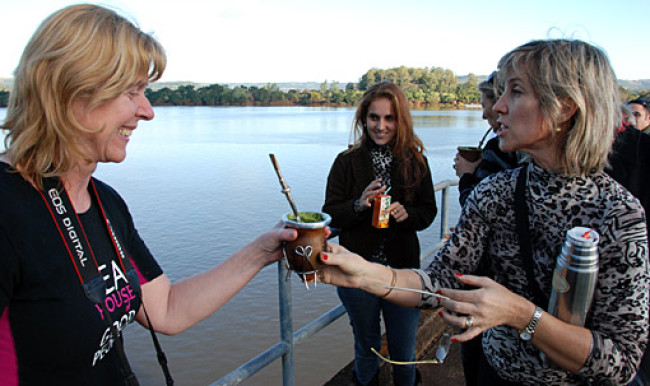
(286, 347)
(444, 219)
(286, 323)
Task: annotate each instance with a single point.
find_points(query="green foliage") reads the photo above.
(426, 86)
(239, 96)
(627, 94)
(422, 86)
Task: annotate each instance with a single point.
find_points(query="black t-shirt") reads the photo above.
(50, 333)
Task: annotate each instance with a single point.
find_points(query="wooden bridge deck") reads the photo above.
(431, 328)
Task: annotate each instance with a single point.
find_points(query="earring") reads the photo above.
(557, 129)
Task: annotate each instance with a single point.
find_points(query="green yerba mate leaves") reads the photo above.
(307, 217)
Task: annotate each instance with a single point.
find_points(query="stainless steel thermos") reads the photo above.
(575, 276)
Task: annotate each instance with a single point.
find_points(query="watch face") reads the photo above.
(525, 335)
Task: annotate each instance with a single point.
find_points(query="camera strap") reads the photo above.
(83, 259)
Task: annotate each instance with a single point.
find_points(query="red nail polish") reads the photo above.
(459, 274)
(439, 292)
(440, 313)
(324, 256)
(454, 340)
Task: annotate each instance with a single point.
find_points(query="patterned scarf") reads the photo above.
(382, 160)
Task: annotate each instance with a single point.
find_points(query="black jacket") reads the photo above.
(349, 176)
(494, 160)
(629, 163)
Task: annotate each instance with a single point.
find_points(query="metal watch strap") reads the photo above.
(529, 330)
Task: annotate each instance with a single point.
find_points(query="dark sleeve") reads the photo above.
(466, 184)
(494, 161)
(142, 257)
(629, 164)
(423, 209)
(341, 193)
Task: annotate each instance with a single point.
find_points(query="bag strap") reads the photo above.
(523, 234)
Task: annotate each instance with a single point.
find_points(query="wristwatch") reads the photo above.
(528, 332)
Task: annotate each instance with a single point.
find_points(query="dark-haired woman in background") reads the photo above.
(386, 154)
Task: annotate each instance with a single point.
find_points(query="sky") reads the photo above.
(275, 41)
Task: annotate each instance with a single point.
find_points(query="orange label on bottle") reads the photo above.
(380, 214)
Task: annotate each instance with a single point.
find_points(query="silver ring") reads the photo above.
(469, 322)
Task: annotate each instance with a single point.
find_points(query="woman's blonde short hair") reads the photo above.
(79, 51)
(571, 70)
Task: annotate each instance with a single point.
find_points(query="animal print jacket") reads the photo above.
(618, 319)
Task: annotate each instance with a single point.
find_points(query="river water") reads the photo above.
(200, 185)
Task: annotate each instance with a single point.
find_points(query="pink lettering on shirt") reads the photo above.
(8, 360)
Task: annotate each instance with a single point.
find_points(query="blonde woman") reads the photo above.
(73, 270)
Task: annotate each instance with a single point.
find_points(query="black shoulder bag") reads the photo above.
(523, 234)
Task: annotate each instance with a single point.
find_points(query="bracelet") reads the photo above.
(392, 283)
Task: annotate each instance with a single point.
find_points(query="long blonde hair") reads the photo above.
(79, 51)
(572, 69)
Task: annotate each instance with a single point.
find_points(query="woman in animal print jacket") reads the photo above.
(560, 105)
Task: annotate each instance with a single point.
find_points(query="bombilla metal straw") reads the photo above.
(285, 188)
(480, 144)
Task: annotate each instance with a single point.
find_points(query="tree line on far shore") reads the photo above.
(433, 87)
(424, 87)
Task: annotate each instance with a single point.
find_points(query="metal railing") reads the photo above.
(289, 339)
